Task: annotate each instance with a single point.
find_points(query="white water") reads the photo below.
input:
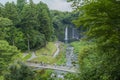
(66, 33)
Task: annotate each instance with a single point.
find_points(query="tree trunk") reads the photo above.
(28, 44)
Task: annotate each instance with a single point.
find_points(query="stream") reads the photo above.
(70, 58)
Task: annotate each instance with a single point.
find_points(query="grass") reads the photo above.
(27, 57)
(49, 50)
(43, 74)
(45, 59)
(1, 78)
(79, 45)
(61, 58)
(48, 58)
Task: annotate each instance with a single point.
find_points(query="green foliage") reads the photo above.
(48, 50)
(16, 39)
(46, 55)
(25, 58)
(10, 12)
(1, 78)
(57, 17)
(43, 74)
(7, 54)
(1, 10)
(60, 21)
(70, 76)
(45, 22)
(4, 27)
(101, 21)
(61, 58)
(14, 35)
(44, 59)
(7, 29)
(5, 22)
(28, 22)
(78, 46)
(29, 25)
(88, 59)
(20, 4)
(19, 71)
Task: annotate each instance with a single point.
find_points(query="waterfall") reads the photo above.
(27, 1)
(66, 34)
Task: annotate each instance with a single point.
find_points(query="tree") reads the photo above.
(27, 29)
(20, 5)
(16, 37)
(4, 27)
(28, 22)
(60, 20)
(101, 21)
(1, 10)
(59, 26)
(19, 71)
(7, 53)
(44, 20)
(14, 34)
(10, 11)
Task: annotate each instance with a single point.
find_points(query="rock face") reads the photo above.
(71, 34)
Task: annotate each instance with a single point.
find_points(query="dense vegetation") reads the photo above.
(7, 54)
(29, 26)
(61, 20)
(45, 55)
(99, 54)
(25, 25)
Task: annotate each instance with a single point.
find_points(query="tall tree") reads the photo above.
(101, 20)
(1, 10)
(28, 23)
(10, 11)
(44, 19)
(20, 4)
(31, 25)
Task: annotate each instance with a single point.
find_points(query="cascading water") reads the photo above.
(66, 34)
(69, 50)
(69, 56)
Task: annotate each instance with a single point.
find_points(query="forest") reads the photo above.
(34, 28)
(27, 24)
